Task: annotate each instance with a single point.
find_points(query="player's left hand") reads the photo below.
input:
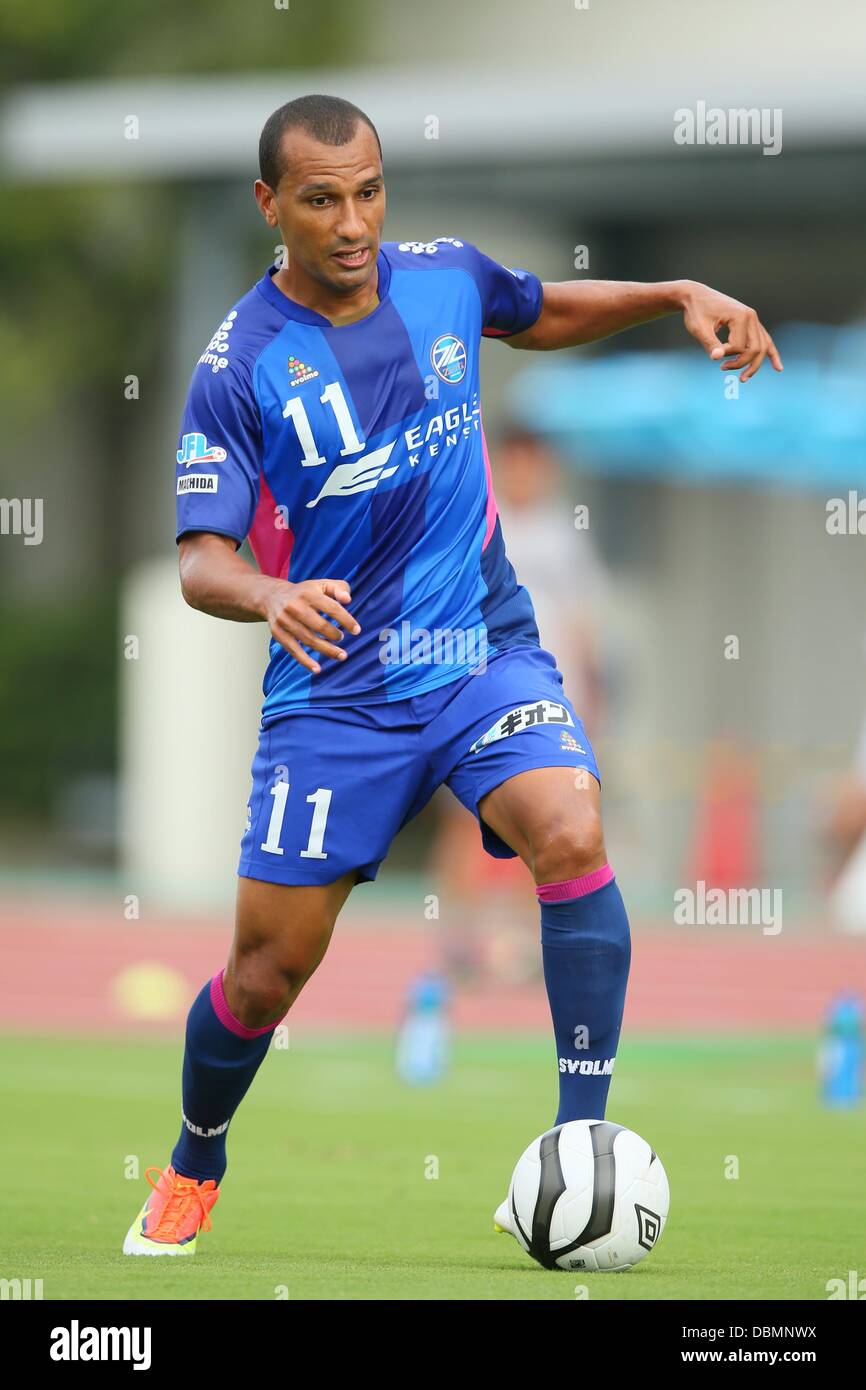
(705, 311)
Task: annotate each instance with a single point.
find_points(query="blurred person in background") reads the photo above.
(846, 816)
(487, 920)
(843, 817)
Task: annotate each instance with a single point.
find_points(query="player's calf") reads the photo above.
(552, 818)
(281, 935)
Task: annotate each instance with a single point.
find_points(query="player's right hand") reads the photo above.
(295, 616)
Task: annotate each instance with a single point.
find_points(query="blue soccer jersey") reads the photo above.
(357, 452)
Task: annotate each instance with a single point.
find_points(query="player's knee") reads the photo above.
(260, 992)
(266, 983)
(570, 848)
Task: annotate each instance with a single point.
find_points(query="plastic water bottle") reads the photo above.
(424, 1037)
(841, 1055)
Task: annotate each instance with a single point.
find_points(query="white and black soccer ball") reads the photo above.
(588, 1195)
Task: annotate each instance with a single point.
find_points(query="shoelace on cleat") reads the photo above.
(183, 1190)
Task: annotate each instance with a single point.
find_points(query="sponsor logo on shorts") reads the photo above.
(569, 743)
(523, 717)
(198, 482)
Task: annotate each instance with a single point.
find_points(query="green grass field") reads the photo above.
(326, 1195)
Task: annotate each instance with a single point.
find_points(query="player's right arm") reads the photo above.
(219, 469)
(215, 579)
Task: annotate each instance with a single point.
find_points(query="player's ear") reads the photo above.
(264, 196)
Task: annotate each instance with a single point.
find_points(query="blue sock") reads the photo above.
(219, 1062)
(586, 951)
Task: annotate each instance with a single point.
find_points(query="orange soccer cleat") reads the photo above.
(174, 1213)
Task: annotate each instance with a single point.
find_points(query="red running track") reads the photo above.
(69, 973)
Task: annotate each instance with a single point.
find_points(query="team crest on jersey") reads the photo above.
(194, 448)
(448, 356)
(299, 372)
(524, 717)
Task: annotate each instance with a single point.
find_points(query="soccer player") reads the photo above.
(334, 420)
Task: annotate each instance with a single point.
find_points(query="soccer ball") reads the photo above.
(588, 1195)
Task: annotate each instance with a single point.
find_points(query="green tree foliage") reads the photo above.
(47, 41)
(86, 287)
(58, 700)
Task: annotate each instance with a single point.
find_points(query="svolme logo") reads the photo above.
(205, 1133)
(214, 355)
(600, 1066)
(299, 371)
(77, 1343)
(428, 248)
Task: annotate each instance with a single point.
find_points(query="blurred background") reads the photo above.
(674, 533)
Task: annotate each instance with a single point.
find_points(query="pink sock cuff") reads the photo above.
(225, 1015)
(574, 887)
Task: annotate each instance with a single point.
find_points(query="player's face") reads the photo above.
(330, 205)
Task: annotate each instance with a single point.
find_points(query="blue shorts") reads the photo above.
(333, 786)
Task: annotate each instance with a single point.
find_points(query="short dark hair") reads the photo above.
(329, 119)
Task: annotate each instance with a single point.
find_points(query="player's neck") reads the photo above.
(340, 309)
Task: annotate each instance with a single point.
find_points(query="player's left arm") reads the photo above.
(582, 311)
